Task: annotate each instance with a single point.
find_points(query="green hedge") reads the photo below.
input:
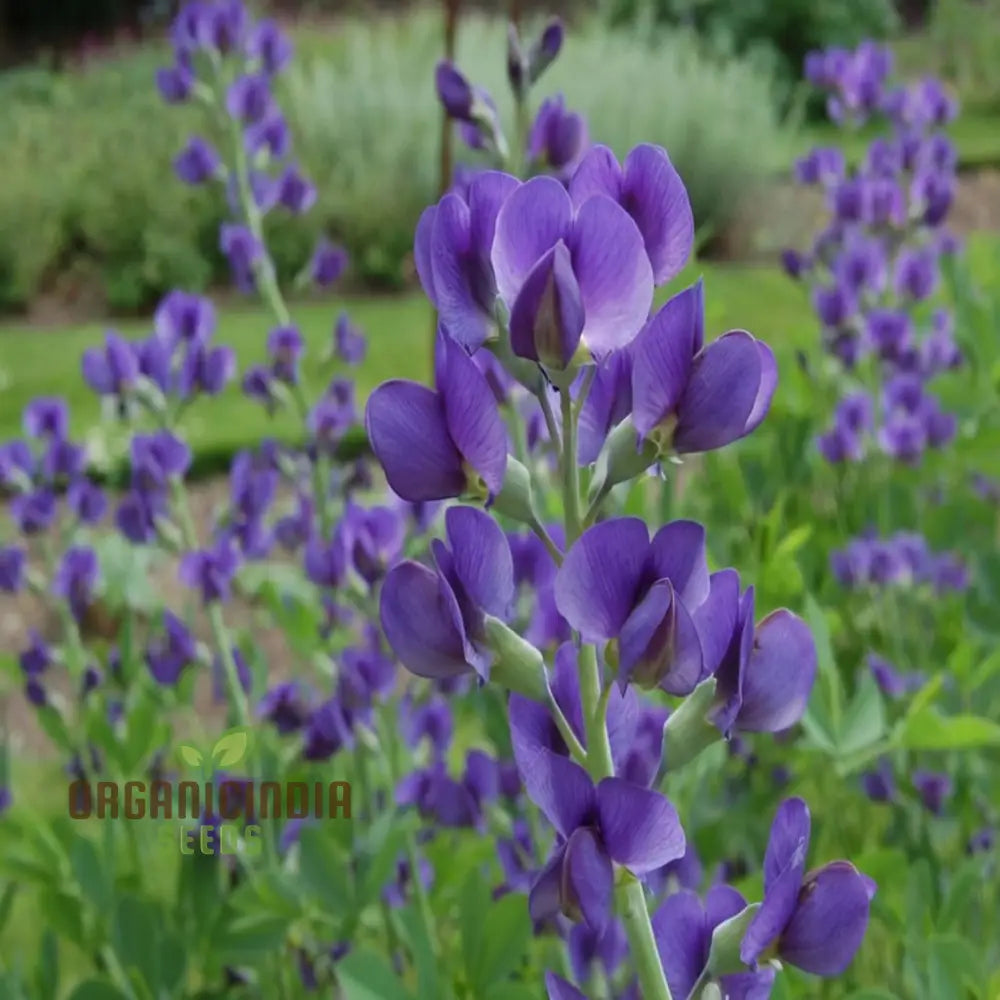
(89, 198)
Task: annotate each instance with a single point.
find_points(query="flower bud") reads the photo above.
(724, 954)
(688, 731)
(545, 49)
(622, 458)
(518, 666)
(515, 499)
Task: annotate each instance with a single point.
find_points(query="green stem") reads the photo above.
(570, 470)
(550, 418)
(220, 633)
(595, 703)
(631, 903)
(550, 546)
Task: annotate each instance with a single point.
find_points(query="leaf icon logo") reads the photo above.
(190, 755)
(231, 748)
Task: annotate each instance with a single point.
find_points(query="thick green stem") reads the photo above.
(631, 904)
(599, 761)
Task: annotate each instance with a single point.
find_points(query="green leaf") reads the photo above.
(47, 970)
(724, 951)
(953, 966)
(364, 975)
(864, 721)
(250, 939)
(872, 994)
(231, 748)
(503, 942)
(965, 889)
(472, 909)
(95, 989)
(325, 871)
(85, 862)
(190, 755)
(414, 935)
(929, 730)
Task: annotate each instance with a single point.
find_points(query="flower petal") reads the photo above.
(721, 394)
(598, 173)
(472, 416)
(656, 198)
(482, 559)
(779, 675)
(566, 687)
(607, 404)
(422, 240)
(408, 433)
(546, 892)
(616, 280)
(721, 903)
(588, 878)
(596, 585)
(422, 622)
(559, 787)
(678, 555)
(784, 864)
(829, 922)
(640, 827)
(663, 355)
(765, 392)
(533, 218)
(682, 941)
(559, 989)
(488, 190)
(716, 617)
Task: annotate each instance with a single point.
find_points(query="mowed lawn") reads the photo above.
(38, 361)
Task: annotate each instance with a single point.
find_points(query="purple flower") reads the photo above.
(168, 654)
(617, 584)
(87, 501)
(879, 785)
(248, 99)
(285, 707)
(349, 341)
(916, 274)
(46, 417)
(285, 347)
(533, 729)
(558, 138)
(326, 561)
(197, 162)
(183, 318)
(431, 721)
(137, 515)
(455, 93)
(840, 444)
(76, 577)
(890, 332)
(175, 83)
(270, 46)
(820, 166)
(295, 191)
(210, 571)
(328, 731)
(37, 657)
(688, 397)
(16, 465)
(683, 930)
(436, 445)
(243, 250)
(63, 460)
(933, 788)
(374, 539)
(205, 370)
(434, 619)
(587, 948)
(329, 262)
(34, 512)
(834, 305)
(559, 989)
(113, 369)
(333, 414)
(571, 272)
(614, 823)
(452, 255)
(13, 566)
(891, 681)
(814, 920)
(271, 134)
(764, 673)
(649, 188)
(158, 459)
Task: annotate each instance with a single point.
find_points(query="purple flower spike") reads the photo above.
(452, 253)
(605, 252)
(434, 618)
(616, 823)
(649, 188)
(616, 584)
(175, 83)
(815, 921)
(436, 445)
(691, 398)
